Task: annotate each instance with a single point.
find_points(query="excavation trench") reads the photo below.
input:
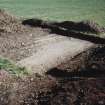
(54, 53)
(72, 65)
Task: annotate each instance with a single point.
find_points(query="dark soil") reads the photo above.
(50, 91)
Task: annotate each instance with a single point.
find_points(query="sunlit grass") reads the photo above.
(10, 67)
(59, 10)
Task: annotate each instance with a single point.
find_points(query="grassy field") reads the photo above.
(57, 9)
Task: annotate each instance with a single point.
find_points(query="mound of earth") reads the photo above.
(16, 40)
(9, 24)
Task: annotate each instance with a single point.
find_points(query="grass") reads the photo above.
(7, 65)
(59, 10)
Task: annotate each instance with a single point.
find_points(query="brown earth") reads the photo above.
(16, 40)
(85, 85)
(51, 91)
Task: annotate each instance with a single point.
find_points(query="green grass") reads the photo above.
(59, 10)
(7, 65)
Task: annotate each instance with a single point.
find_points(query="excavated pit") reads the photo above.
(77, 81)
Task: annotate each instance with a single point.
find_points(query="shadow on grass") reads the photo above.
(71, 29)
